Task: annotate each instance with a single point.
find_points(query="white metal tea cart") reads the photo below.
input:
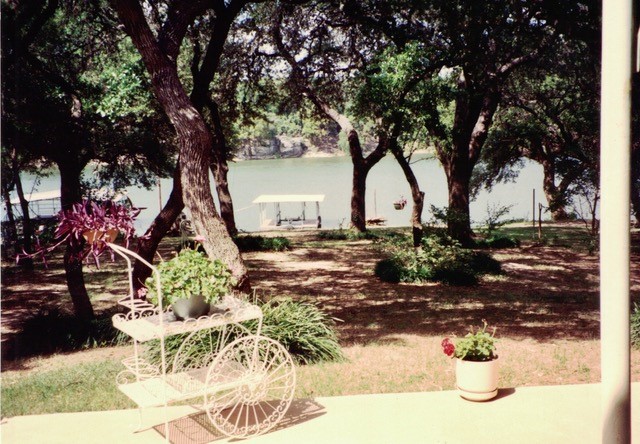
(246, 381)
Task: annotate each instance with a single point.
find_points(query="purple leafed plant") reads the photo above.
(86, 226)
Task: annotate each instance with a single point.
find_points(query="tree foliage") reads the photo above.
(550, 115)
(59, 106)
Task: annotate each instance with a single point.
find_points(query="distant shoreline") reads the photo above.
(319, 155)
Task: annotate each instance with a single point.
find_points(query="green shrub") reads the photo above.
(445, 215)
(455, 276)
(635, 326)
(261, 243)
(389, 270)
(497, 242)
(483, 262)
(303, 329)
(446, 261)
(190, 273)
(333, 235)
(440, 259)
(495, 214)
(346, 235)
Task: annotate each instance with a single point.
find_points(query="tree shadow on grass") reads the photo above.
(545, 293)
(51, 331)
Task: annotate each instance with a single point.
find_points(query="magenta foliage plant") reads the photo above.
(89, 216)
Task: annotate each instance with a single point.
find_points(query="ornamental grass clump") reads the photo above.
(190, 273)
(302, 328)
(476, 346)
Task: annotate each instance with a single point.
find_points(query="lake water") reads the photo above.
(331, 176)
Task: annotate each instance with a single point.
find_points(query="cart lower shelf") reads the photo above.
(153, 392)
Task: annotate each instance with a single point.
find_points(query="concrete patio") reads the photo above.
(551, 414)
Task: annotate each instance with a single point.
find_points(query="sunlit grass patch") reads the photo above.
(390, 364)
(495, 278)
(84, 387)
(543, 267)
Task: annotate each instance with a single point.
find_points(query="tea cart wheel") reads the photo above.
(250, 386)
(200, 348)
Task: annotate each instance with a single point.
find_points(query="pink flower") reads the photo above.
(142, 292)
(448, 347)
(199, 238)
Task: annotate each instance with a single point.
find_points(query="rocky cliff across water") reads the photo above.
(282, 147)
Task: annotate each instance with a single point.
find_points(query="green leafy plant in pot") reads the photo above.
(190, 283)
(476, 364)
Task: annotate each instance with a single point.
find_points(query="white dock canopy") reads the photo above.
(275, 198)
(41, 204)
(291, 221)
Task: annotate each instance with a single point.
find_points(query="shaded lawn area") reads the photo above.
(547, 292)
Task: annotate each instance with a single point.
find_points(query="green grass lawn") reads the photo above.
(399, 363)
(570, 236)
(83, 387)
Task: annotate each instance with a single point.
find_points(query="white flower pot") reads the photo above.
(477, 381)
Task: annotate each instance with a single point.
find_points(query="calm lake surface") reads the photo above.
(331, 176)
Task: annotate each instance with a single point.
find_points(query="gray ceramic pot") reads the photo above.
(194, 307)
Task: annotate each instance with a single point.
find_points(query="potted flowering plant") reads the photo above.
(87, 227)
(190, 282)
(400, 203)
(476, 364)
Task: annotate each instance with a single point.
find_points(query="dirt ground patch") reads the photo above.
(546, 293)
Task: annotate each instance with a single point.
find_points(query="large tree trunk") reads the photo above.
(203, 74)
(358, 183)
(194, 140)
(220, 170)
(472, 120)
(74, 275)
(361, 167)
(358, 194)
(417, 195)
(27, 225)
(148, 244)
(12, 232)
(458, 216)
(70, 193)
(554, 195)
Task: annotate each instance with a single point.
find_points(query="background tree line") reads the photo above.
(148, 89)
